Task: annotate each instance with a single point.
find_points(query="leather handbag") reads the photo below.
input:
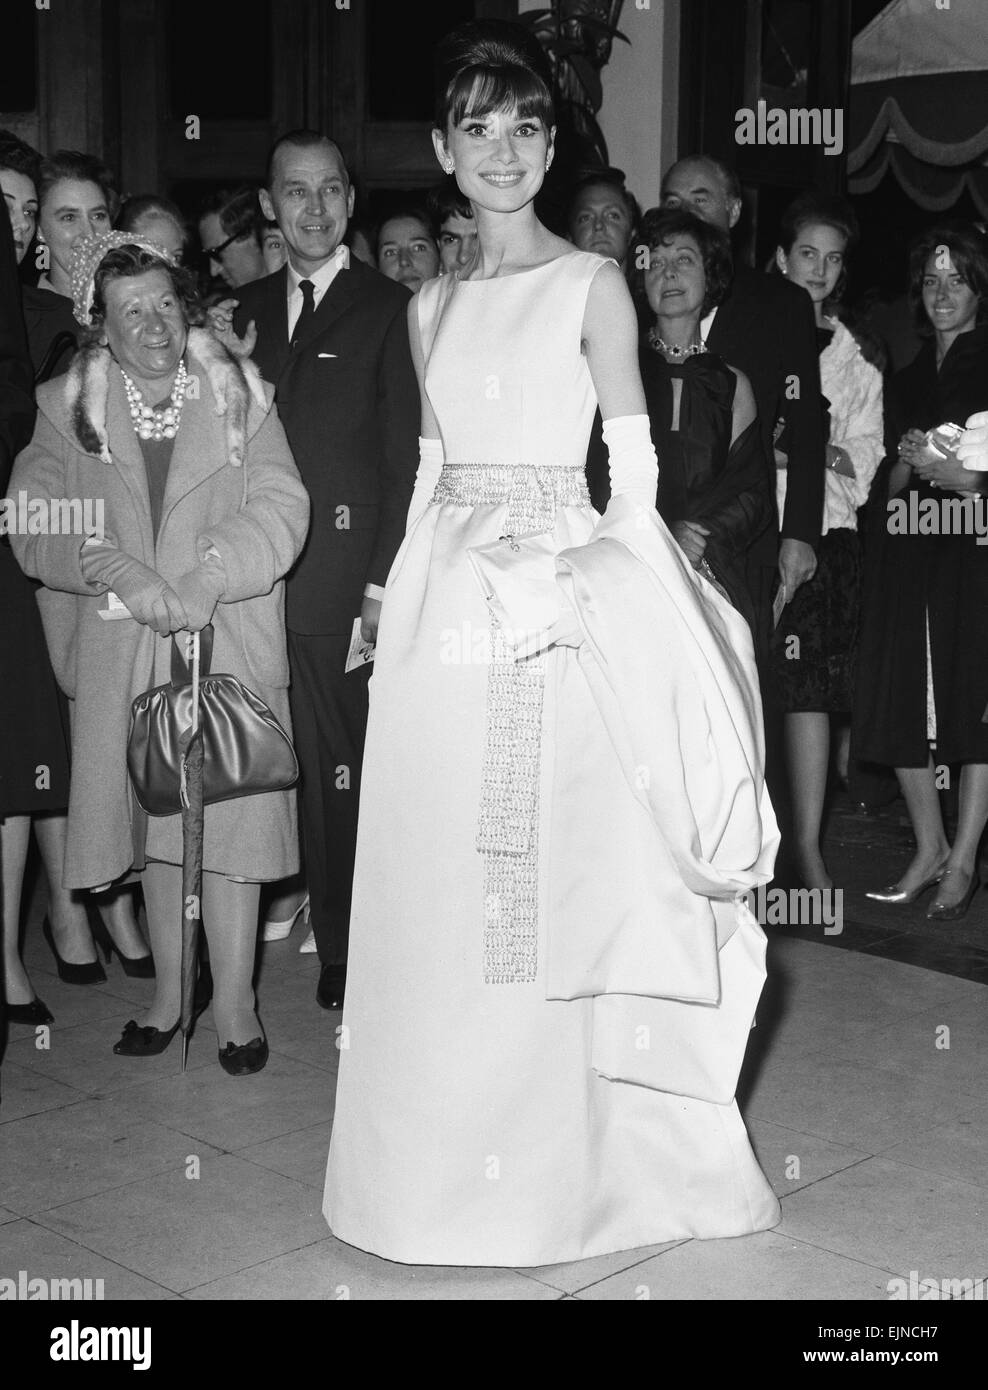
(245, 749)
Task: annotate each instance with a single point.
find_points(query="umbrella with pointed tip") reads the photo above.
(192, 827)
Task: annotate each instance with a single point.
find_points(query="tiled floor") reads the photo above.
(863, 1090)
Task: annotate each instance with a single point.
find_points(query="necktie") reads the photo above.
(308, 308)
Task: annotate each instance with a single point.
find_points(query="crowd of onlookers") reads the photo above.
(781, 438)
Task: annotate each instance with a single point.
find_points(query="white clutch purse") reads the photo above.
(517, 577)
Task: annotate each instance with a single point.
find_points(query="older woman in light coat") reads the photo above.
(203, 512)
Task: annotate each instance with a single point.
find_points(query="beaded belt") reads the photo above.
(532, 492)
(507, 833)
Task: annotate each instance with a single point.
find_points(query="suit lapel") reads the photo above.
(338, 298)
(273, 321)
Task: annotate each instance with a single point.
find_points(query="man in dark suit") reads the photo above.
(332, 337)
(766, 328)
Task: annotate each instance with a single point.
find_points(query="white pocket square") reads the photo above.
(327, 354)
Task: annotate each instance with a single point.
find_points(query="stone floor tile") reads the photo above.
(762, 1266)
(331, 1270)
(181, 1232)
(82, 1149)
(41, 1253)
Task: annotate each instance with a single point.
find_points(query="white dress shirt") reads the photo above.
(321, 281)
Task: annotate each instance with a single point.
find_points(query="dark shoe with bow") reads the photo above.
(244, 1058)
(143, 1042)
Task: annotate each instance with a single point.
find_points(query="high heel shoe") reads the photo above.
(34, 1013)
(143, 1042)
(277, 931)
(137, 967)
(950, 912)
(901, 896)
(90, 973)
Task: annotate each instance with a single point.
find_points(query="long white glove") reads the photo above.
(972, 451)
(631, 458)
(431, 459)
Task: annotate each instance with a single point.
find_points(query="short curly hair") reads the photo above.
(126, 261)
(968, 249)
(660, 225)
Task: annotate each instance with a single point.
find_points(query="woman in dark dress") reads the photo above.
(814, 646)
(51, 329)
(923, 675)
(714, 482)
(33, 745)
(76, 199)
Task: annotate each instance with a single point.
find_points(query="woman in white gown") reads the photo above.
(538, 1051)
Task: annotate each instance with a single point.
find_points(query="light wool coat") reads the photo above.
(232, 487)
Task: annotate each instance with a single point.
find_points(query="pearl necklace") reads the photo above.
(673, 349)
(160, 422)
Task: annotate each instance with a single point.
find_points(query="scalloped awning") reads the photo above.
(919, 102)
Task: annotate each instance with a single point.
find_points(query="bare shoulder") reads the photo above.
(743, 384)
(609, 307)
(744, 408)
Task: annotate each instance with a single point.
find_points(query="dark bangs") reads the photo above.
(481, 90)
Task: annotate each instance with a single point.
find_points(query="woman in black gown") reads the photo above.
(923, 675)
(714, 481)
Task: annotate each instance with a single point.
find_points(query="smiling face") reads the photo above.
(697, 186)
(675, 281)
(499, 159)
(145, 328)
(311, 200)
(815, 260)
(72, 209)
(950, 303)
(600, 221)
(457, 243)
(21, 197)
(406, 252)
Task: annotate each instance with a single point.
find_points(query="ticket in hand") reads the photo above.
(114, 608)
(360, 651)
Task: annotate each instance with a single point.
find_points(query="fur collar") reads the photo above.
(233, 382)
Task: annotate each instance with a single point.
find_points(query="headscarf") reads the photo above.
(85, 260)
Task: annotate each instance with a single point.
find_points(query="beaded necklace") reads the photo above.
(157, 422)
(673, 349)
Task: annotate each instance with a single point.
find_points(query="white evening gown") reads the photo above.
(471, 1126)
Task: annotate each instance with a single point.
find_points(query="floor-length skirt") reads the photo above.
(470, 1128)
